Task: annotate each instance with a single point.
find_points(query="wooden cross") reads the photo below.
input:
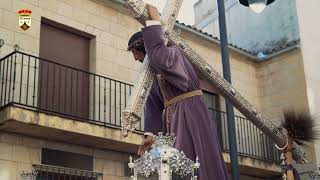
(131, 116)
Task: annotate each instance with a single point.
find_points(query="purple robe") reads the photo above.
(195, 132)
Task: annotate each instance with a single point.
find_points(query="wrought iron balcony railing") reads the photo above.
(46, 86)
(251, 142)
(47, 172)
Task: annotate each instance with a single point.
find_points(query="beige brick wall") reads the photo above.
(19, 153)
(282, 85)
(111, 26)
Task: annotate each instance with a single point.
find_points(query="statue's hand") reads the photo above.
(154, 13)
(146, 145)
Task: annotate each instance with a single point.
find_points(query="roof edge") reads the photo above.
(210, 38)
(214, 40)
(282, 51)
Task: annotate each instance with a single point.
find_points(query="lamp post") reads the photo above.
(227, 76)
(256, 5)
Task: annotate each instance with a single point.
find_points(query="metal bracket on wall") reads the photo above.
(1, 42)
(16, 47)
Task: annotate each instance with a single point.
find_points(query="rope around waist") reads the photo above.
(181, 97)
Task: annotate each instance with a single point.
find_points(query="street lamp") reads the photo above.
(256, 5)
(232, 136)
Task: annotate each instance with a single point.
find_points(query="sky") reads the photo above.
(186, 14)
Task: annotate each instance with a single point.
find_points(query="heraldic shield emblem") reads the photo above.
(25, 19)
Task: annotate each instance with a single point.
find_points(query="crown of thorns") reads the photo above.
(135, 44)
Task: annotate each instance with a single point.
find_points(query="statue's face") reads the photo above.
(138, 55)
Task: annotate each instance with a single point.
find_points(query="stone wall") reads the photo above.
(19, 153)
(282, 85)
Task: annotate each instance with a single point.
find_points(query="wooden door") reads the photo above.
(63, 81)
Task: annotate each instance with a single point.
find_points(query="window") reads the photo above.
(212, 101)
(67, 159)
(58, 165)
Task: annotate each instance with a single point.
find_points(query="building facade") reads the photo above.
(283, 24)
(309, 37)
(275, 27)
(65, 80)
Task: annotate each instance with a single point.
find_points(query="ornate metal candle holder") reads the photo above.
(315, 174)
(164, 159)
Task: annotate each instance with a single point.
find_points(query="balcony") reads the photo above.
(45, 86)
(68, 104)
(251, 142)
(41, 98)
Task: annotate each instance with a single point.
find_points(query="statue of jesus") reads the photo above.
(175, 104)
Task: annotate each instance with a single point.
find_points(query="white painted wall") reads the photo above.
(308, 11)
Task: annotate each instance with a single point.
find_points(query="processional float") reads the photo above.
(131, 116)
